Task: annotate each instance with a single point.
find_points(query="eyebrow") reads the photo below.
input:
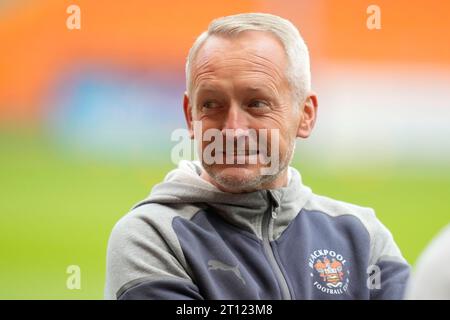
(212, 88)
(260, 89)
(257, 89)
(252, 88)
(208, 88)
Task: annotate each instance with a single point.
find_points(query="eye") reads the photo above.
(258, 104)
(210, 105)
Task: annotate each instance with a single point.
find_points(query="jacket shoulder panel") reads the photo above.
(143, 244)
(382, 245)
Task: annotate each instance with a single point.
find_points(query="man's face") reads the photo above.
(241, 83)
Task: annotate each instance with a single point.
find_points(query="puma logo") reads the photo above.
(217, 265)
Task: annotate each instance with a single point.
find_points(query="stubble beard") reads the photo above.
(250, 181)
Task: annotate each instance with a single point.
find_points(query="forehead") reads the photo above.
(250, 52)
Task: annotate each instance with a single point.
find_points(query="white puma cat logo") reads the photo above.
(217, 265)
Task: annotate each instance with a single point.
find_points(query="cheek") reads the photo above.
(281, 117)
(281, 123)
(284, 144)
(208, 134)
(285, 138)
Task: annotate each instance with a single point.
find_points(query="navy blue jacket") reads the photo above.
(188, 240)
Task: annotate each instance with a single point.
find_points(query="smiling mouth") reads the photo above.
(240, 153)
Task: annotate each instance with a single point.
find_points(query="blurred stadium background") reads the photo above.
(86, 117)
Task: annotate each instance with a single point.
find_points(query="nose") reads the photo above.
(236, 118)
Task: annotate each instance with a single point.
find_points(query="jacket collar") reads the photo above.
(244, 210)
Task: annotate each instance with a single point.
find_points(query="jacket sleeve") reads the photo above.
(388, 270)
(145, 261)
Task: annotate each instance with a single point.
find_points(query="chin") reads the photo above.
(236, 178)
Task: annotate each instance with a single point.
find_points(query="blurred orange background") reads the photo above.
(36, 46)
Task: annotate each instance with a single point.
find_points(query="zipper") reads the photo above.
(267, 219)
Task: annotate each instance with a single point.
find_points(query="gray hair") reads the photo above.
(298, 71)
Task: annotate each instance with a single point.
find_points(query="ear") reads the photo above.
(308, 116)
(188, 114)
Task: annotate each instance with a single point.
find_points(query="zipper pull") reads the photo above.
(274, 214)
(274, 205)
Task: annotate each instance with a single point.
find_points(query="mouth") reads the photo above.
(237, 153)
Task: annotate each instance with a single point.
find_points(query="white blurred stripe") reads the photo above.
(381, 112)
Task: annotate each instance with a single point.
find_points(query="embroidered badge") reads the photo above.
(329, 272)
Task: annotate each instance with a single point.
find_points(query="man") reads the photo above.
(232, 228)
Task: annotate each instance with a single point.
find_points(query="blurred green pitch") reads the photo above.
(57, 210)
